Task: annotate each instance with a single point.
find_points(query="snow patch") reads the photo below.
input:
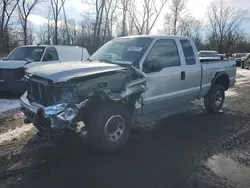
(9, 104)
(15, 133)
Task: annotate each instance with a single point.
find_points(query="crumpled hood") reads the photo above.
(62, 72)
(12, 64)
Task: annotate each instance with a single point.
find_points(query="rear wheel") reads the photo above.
(109, 127)
(242, 64)
(214, 99)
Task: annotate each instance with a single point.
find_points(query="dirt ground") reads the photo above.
(191, 149)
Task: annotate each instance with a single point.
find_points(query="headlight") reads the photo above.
(69, 113)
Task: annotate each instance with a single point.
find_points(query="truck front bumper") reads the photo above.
(53, 118)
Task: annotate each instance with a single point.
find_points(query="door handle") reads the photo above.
(183, 75)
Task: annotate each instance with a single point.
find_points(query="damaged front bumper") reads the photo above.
(51, 118)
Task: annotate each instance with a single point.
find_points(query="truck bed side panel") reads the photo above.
(210, 69)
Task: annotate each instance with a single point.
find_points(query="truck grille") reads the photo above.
(12, 74)
(40, 93)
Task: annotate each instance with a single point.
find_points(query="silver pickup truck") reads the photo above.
(137, 79)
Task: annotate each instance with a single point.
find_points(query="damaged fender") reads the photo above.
(134, 86)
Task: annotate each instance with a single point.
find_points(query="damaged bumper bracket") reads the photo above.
(59, 116)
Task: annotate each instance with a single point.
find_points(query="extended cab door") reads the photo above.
(191, 70)
(50, 56)
(165, 77)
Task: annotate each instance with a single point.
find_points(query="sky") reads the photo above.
(198, 8)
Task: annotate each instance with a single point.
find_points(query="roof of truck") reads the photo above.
(155, 36)
(51, 45)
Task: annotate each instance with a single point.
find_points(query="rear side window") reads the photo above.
(188, 52)
(51, 55)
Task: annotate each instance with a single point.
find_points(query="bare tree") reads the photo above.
(176, 17)
(46, 32)
(125, 5)
(192, 28)
(25, 7)
(145, 19)
(225, 22)
(110, 8)
(30, 35)
(57, 6)
(7, 10)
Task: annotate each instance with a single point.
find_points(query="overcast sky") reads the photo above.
(74, 8)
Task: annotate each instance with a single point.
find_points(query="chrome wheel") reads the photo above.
(114, 128)
(218, 98)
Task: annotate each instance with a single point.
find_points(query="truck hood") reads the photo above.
(12, 64)
(62, 72)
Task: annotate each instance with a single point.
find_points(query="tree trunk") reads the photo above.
(25, 32)
(99, 25)
(56, 32)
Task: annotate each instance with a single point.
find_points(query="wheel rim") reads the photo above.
(218, 98)
(114, 128)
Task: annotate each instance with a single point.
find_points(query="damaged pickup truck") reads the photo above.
(137, 79)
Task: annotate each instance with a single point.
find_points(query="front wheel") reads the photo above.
(215, 98)
(109, 127)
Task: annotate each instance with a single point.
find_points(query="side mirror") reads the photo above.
(152, 66)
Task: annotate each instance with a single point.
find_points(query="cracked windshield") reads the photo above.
(124, 93)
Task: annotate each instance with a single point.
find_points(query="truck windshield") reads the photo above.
(122, 51)
(240, 55)
(26, 53)
(208, 54)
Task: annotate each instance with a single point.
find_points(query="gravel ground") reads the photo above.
(191, 149)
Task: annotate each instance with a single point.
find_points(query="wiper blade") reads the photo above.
(89, 60)
(20, 59)
(107, 61)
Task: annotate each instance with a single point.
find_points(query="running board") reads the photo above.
(149, 118)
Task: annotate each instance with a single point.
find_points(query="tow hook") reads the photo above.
(27, 121)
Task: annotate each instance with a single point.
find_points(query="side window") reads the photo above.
(51, 55)
(188, 52)
(163, 54)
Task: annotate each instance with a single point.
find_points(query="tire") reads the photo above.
(215, 98)
(242, 65)
(247, 61)
(99, 124)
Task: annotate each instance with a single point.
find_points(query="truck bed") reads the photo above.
(211, 68)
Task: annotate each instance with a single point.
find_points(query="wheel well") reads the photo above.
(99, 100)
(222, 80)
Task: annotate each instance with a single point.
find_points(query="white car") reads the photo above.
(12, 68)
(205, 56)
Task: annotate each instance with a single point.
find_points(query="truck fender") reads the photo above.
(221, 78)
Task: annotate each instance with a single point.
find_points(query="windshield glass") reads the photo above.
(240, 55)
(126, 50)
(26, 53)
(208, 54)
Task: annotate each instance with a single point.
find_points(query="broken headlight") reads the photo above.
(69, 113)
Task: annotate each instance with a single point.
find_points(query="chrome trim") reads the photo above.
(39, 88)
(26, 104)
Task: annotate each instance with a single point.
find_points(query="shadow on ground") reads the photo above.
(163, 157)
